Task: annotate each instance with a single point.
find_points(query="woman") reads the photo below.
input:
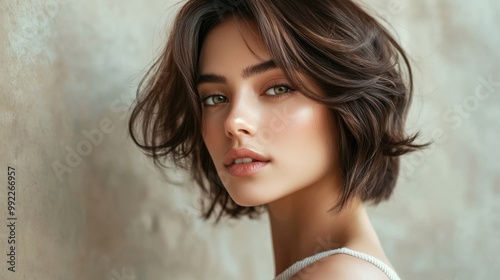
(294, 108)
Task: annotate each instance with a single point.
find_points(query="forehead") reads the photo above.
(231, 45)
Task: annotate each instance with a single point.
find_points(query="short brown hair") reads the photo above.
(364, 75)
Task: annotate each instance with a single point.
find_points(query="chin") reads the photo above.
(249, 200)
(250, 203)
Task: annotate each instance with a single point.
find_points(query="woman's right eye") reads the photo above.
(213, 100)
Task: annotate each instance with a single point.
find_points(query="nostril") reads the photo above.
(244, 131)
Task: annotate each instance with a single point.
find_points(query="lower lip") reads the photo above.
(246, 169)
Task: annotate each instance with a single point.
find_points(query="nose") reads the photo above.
(242, 119)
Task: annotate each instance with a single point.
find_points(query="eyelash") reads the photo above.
(278, 84)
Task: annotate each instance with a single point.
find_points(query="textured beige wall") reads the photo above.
(90, 206)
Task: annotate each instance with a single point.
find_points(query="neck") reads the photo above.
(302, 226)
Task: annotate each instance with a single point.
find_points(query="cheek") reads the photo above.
(307, 139)
(213, 134)
(306, 125)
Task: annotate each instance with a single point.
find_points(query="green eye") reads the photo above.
(214, 100)
(278, 90)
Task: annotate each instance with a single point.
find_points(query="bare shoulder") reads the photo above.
(341, 266)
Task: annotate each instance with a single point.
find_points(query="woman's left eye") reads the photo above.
(279, 90)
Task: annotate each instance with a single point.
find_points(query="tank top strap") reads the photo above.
(296, 267)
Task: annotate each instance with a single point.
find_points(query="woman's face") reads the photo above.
(266, 139)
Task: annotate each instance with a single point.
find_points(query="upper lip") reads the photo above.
(237, 153)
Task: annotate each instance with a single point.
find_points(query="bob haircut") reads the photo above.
(364, 75)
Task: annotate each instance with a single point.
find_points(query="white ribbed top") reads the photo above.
(296, 267)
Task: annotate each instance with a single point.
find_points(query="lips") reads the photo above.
(243, 155)
(244, 162)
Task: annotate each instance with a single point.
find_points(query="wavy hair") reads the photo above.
(363, 73)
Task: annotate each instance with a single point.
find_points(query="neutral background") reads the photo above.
(91, 206)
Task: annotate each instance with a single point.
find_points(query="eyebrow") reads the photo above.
(247, 72)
